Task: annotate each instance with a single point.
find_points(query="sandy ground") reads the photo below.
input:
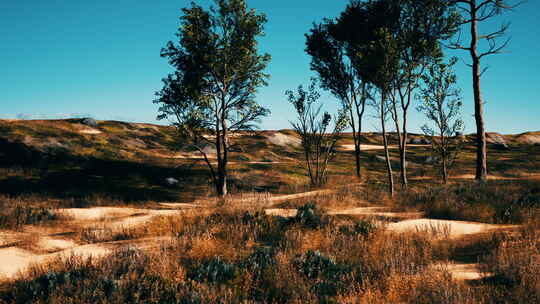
(375, 147)
(451, 229)
(376, 212)
(462, 272)
(15, 256)
(284, 140)
(90, 131)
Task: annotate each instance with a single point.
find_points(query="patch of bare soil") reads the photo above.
(376, 212)
(462, 272)
(90, 131)
(284, 140)
(447, 228)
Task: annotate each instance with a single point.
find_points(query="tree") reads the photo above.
(332, 58)
(319, 138)
(422, 24)
(441, 104)
(473, 12)
(376, 57)
(218, 71)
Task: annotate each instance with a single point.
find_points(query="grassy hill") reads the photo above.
(130, 161)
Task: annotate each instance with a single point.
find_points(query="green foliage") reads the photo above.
(309, 216)
(214, 270)
(441, 104)
(319, 137)
(261, 259)
(323, 270)
(218, 72)
(364, 228)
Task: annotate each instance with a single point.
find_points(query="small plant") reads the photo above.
(319, 139)
(314, 265)
(25, 215)
(260, 259)
(363, 228)
(441, 104)
(309, 216)
(214, 270)
(326, 273)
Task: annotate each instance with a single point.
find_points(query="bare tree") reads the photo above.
(473, 12)
(441, 104)
(319, 138)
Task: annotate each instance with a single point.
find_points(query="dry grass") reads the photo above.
(498, 202)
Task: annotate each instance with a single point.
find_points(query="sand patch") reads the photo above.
(364, 147)
(50, 244)
(452, 229)
(90, 131)
(377, 212)
(179, 205)
(281, 212)
(462, 272)
(97, 213)
(284, 140)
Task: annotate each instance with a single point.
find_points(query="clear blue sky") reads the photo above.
(101, 58)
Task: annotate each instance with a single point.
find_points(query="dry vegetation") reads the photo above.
(234, 252)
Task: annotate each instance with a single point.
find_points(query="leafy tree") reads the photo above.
(332, 58)
(377, 58)
(422, 24)
(473, 12)
(218, 71)
(319, 138)
(441, 104)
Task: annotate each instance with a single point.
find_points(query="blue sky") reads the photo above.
(101, 58)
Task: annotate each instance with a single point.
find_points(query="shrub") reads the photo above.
(20, 215)
(309, 216)
(324, 271)
(363, 228)
(491, 202)
(214, 270)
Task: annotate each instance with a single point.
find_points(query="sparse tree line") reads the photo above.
(386, 56)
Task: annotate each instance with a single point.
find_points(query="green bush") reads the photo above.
(324, 271)
(309, 216)
(214, 270)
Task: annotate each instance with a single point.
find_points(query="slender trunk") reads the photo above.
(357, 158)
(481, 149)
(403, 152)
(445, 170)
(356, 138)
(385, 141)
(401, 147)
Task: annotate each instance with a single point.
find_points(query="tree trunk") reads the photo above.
(403, 152)
(481, 146)
(221, 183)
(444, 169)
(357, 156)
(385, 141)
